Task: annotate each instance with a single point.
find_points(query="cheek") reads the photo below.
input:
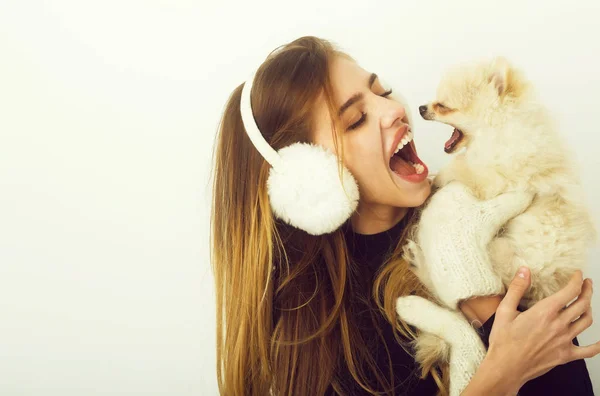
(363, 156)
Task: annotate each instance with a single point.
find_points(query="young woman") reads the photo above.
(310, 308)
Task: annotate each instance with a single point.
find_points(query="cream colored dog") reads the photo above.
(511, 144)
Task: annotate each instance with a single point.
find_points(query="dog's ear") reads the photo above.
(500, 75)
(507, 80)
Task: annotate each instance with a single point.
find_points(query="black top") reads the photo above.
(368, 253)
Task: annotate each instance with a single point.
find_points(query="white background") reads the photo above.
(108, 112)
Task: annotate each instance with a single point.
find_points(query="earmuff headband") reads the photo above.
(268, 153)
(304, 183)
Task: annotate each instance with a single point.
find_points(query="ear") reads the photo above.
(499, 75)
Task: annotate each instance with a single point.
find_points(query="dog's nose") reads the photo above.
(423, 109)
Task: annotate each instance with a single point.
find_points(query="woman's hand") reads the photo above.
(525, 345)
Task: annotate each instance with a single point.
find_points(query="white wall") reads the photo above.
(107, 117)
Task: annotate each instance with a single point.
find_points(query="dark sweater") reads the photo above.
(368, 253)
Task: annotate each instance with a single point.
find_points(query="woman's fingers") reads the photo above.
(581, 305)
(507, 309)
(585, 352)
(568, 293)
(584, 321)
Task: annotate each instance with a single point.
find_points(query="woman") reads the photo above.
(306, 314)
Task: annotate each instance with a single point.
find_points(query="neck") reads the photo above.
(372, 218)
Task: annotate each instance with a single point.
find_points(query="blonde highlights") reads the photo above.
(284, 323)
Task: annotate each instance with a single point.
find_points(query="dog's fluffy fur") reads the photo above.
(510, 143)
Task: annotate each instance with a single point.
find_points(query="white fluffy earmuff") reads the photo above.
(304, 184)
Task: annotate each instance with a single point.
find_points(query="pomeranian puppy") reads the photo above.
(508, 142)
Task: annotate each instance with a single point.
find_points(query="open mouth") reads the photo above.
(452, 143)
(405, 162)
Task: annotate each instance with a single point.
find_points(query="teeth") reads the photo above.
(418, 167)
(406, 139)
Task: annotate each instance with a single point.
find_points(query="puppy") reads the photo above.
(508, 142)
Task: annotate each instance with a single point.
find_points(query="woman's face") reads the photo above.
(373, 127)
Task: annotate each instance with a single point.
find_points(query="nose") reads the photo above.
(392, 113)
(423, 109)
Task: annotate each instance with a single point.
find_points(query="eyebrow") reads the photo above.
(356, 97)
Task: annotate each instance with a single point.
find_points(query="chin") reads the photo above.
(414, 195)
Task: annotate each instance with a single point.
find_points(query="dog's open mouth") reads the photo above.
(451, 144)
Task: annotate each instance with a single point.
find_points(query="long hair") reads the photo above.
(284, 324)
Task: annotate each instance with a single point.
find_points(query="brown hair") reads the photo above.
(283, 318)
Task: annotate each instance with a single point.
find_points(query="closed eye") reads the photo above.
(359, 122)
(362, 119)
(443, 109)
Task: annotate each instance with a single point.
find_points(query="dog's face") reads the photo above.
(469, 97)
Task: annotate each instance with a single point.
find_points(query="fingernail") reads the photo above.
(522, 272)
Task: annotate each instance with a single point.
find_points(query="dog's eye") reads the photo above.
(441, 106)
